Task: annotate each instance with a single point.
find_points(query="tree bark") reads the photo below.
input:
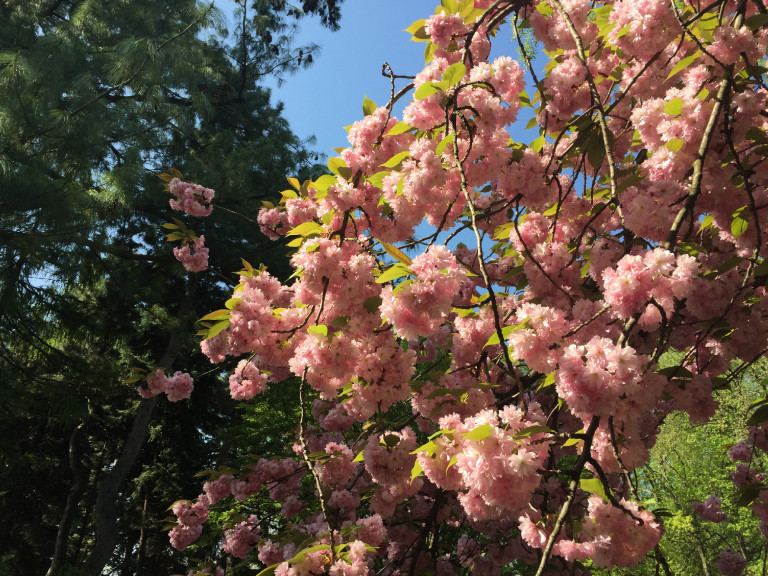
(142, 535)
(704, 567)
(81, 475)
(105, 513)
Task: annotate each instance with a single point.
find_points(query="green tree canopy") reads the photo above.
(96, 99)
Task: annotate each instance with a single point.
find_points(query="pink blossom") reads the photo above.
(240, 539)
(177, 387)
(182, 536)
(710, 510)
(195, 257)
(191, 198)
(731, 563)
(247, 381)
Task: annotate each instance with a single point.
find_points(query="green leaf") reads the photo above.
(390, 440)
(397, 159)
(538, 144)
(747, 495)
(323, 183)
(320, 329)
(427, 89)
(417, 30)
(552, 210)
(217, 315)
(756, 135)
(340, 321)
(757, 403)
(444, 143)
(378, 179)
(336, 164)
(478, 434)
(759, 416)
(396, 253)
(369, 106)
(392, 273)
(595, 150)
(756, 22)
(306, 229)
(294, 182)
(690, 248)
(706, 222)
(674, 107)
(761, 269)
(739, 226)
(549, 380)
(464, 312)
(494, 339)
(454, 73)
(216, 328)
(372, 304)
(593, 486)
(399, 128)
(429, 448)
(675, 372)
(531, 430)
(674, 144)
(298, 558)
(684, 63)
(416, 470)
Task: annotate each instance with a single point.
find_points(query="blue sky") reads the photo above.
(320, 100)
(324, 98)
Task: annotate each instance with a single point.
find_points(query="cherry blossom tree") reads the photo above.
(476, 323)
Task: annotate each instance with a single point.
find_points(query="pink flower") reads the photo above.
(247, 381)
(194, 258)
(731, 563)
(240, 539)
(179, 386)
(182, 536)
(191, 198)
(710, 510)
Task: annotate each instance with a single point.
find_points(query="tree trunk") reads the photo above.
(704, 567)
(142, 536)
(105, 513)
(81, 475)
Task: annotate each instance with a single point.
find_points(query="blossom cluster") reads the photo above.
(479, 387)
(194, 256)
(176, 387)
(191, 198)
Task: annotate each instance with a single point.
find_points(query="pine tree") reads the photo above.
(96, 99)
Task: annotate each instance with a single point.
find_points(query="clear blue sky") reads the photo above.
(324, 98)
(321, 100)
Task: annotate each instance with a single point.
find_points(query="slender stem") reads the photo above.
(572, 488)
(701, 155)
(483, 269)
(308, 462)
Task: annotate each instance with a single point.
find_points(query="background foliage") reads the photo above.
(97, 98)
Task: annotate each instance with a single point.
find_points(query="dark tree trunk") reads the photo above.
(108, 492)
(80, 472)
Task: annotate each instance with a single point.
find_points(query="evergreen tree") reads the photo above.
(96, 99)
